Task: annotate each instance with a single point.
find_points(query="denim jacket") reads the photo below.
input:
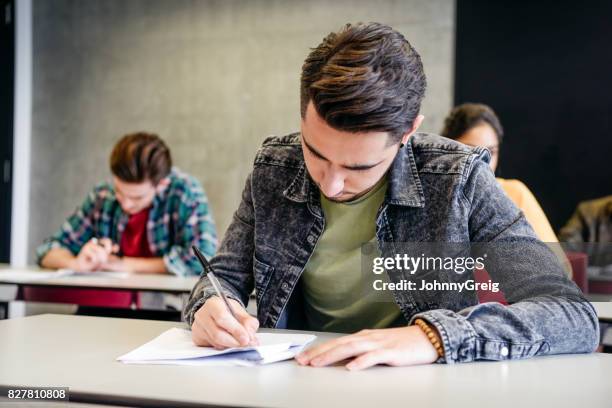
(439, 191)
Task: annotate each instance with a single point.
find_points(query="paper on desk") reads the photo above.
(25, 276)
(176, 347)
(93, 274)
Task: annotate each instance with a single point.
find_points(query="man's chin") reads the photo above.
(339, 200)
(343, 198)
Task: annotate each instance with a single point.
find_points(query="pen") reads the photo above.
(209, 272)
(114, 250)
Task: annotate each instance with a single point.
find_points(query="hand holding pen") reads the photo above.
(95, 253)
(222, 322)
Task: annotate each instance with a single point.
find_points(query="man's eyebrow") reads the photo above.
(313, 150)
(347, 166)
(361, 166)
(133, 197)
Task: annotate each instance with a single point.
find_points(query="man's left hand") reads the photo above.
(116, 264)
(400, 346)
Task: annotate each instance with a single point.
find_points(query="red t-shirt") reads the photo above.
(134, 241)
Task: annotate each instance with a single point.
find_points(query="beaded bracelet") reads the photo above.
(432, 335)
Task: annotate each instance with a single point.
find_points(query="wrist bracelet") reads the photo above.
(432, 335)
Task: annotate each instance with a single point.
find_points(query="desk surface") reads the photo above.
(604, 310)
(155, 283)
(80, 351)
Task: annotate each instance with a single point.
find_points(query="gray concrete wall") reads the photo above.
(213, 78)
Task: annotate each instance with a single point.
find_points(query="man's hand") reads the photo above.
(135, 265)
(213, 325)
(116, 264)
(396, 347)
(92, 255)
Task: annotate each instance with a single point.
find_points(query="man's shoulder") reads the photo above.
(184, 185)
(438, 154)
(284, 151)
(100, 198)
(103, 191)
(596, 207)
(292, 139)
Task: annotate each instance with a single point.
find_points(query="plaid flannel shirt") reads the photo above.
(179, 218)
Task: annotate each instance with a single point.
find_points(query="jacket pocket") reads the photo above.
(263, 273)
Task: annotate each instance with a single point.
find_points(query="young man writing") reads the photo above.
(356, 173)
(145, 221)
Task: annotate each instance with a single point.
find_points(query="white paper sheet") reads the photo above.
(32, 276)
(96, 274)
(175, 347)
(28, 276)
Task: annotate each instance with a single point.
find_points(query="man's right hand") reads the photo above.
(214, 326)
(92, 255)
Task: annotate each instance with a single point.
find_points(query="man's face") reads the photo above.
(134, 197)
(344, 165)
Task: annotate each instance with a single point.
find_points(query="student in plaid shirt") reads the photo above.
(144, 221)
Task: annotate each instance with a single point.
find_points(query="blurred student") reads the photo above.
(143, 221)
(591, 222)
(589, 230)
(475, 124)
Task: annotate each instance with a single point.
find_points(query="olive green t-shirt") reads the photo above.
(338, 295)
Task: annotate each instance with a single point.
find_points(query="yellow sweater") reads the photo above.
(526, 202)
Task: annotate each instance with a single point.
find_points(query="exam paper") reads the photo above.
(25, 276)
(93, 274)
(175, 347)
(28, 276)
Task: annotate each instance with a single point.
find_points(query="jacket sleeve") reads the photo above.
(233, 263)
(534, 214)
(547, 313)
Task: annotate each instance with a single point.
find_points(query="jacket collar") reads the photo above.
(405, 186)
(404, 189)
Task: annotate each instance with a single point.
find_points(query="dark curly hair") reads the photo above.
(366, 77)
(469, 115)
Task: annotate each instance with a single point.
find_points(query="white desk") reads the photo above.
(160, 284)
(604, 311)
(136, 282)
(80, 351)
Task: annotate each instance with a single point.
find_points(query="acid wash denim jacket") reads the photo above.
(438, 191)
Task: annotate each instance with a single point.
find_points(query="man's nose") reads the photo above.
(126, 204)
(332, 183)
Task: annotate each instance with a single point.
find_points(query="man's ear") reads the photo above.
(415, 126)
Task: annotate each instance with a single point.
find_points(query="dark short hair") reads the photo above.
(366, 77)
(469, 115)
(140, 156)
